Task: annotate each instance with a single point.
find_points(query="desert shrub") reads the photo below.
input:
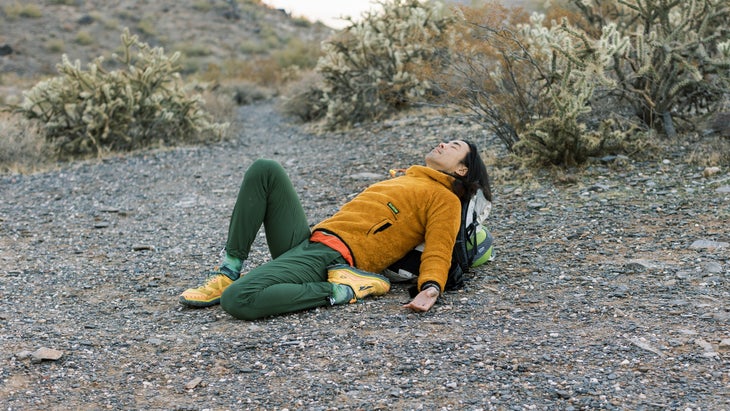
(84, 38)
(91, 111)
(490, 75)
(592, 79)
(303, 99)
(678, 65)
(147, 26)
(533, 83)
(301, 21)
(250, 46)
(572, 67)
(368, 69)
(299, 53)
(17, 10)
(192, 49)
(202, 5)
(55, 45)
(245, 93)
(22, 146)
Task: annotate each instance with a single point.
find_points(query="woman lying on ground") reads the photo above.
(337, 260)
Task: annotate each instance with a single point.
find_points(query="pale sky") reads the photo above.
(326, 11)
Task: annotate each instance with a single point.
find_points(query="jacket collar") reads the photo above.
(427, 172)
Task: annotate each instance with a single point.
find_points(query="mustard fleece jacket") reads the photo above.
(392, 217)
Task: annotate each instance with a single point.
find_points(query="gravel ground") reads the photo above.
(610, 288)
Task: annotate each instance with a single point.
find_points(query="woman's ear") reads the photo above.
(462, 170)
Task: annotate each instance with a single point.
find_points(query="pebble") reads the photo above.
(44, 353)
(367, 176)
(193, 383)
(707, 244)
(712, 267)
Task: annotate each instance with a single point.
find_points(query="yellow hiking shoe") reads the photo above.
(208, 294)
(363, 283)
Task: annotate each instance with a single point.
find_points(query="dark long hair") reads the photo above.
(476, 178)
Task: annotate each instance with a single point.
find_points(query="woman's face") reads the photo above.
(449, 157)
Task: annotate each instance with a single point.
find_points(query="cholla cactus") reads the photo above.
(574, 66)
(95, 110)
(369, 69)
(532, 83)
(678, 64)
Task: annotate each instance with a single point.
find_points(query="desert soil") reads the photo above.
(610, 288)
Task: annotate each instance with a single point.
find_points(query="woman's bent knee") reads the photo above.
(264, 167)
(238, 305)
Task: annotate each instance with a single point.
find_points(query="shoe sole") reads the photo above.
(199, 304)
(366, 275)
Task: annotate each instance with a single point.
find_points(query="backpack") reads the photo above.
(473, 247)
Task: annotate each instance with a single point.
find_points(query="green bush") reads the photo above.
(91, 111)
(369, 70)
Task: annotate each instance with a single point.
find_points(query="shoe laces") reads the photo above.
(211, 276)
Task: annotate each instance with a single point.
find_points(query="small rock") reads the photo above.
(644, 345)
(44, 353)
(724, 345)
(367, 176)
(85, 20)
(193, 383)
(23, 354)
(612, 158)
(620, 291)
(608, 159)
(599, 188)
(710, 171)
(713, 267)
(700, 244)
(684, 275)
(639, 265)
(562, 394)
(101, 224)
(709, 351)
(143, 247)
(723, 189)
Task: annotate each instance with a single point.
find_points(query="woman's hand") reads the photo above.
(424, 300)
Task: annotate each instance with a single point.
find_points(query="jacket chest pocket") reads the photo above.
(380, 227)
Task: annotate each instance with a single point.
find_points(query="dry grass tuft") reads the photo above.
(23, 149)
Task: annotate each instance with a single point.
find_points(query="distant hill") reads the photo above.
(33, 37)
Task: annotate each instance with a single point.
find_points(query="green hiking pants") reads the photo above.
(296, 277)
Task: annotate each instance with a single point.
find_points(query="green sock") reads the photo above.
(233, 264)
(341, 294)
